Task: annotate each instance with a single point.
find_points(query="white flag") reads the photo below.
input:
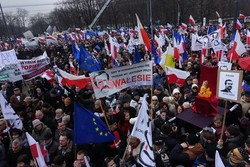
(10, 114)
(86, 162)
(218, 161)
(36, 151)
(143, 131)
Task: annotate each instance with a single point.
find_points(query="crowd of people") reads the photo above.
(47, 113)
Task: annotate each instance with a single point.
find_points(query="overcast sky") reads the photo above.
(39, 6)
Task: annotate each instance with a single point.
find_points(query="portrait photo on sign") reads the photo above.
(229, 85)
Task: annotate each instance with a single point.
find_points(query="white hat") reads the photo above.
(154, 98)
(176, 90)
(194, 85)
(166, 99)
(186, 105)
(132, 120)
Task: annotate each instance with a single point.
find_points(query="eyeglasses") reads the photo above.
(154, 100)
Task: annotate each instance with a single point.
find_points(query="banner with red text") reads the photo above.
(111, 81)
(34, 67)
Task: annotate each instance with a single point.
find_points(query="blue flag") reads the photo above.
(232, 37)
(137, 57)
(116, 63)
(88, 128)
(66, 38)
(157, 59)
(76, 51)
(87, 61)
(177, 37)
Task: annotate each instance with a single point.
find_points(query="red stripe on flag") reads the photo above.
(146, 39)
(172, 78)
(33, 149)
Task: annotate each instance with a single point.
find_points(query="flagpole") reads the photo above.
(106, 120)
(236, 15)
(151, 19)
(224, 119)
(124, 154)
(151, 113)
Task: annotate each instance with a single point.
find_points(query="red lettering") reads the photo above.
(139, 77)
(123, 81)
(117, 82)
(148, 77)
(110, 83)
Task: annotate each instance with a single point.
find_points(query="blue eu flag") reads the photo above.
(88, 128)
(137, 57)
(76, 51)
(87, 61)
(157, 59)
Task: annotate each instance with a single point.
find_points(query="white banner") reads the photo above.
(10, 73)
(10, 68)
(8, 58)
(143, 131)
(10, 114)
(34, 67)
(196, 42)
(111, 81)
(213, 40)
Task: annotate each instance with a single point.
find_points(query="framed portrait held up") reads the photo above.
(229, 85)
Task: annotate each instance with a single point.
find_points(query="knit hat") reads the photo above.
(36, 122)
(186, 105)
(132, 120)
(192, 139)
(194, 85)
(176, 90)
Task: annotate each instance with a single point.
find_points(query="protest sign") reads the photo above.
(8, 58)
(110, 81)
(34, 67)
(229, 85)
(10, 69)
(10, 73)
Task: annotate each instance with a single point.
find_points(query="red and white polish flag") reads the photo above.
(191, 20)
(72, 68)
(238, 25)
(248, 38)
(241, 16)
(176, 76)
(71, 80)
(143, 36)
(49, 75)
(36, 151)
(183, 26)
